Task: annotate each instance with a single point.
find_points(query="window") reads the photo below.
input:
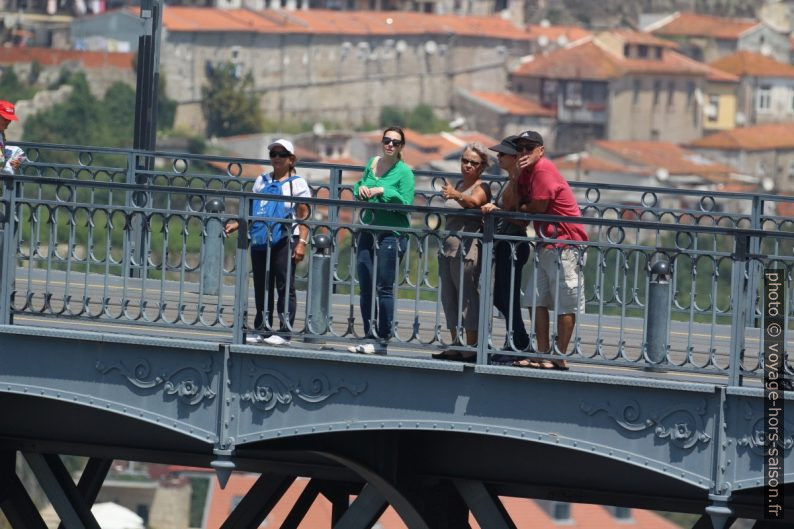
(791, 170)
(561, 511)
(642, 51)
(657, 90)
(626, 50)
(792, 100)
(621, 513)
(690, 92)
(670, 93)
(764, 99)
(573, 94)
(549, 92)
(637, 87)
(713, 108)
(658, 52)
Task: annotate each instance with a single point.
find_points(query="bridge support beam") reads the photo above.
(258, 502)
(364, 511)
(16, 504)
(485, 506)
(91, 480)
(57, 484)
(302, 505)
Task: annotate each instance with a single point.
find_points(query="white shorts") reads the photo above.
(561, 265)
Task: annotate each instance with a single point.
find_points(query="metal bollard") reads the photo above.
(657, 324)
(318, 303)
(212, 265)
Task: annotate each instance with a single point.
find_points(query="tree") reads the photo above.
(11, 88)
(392, 116)
(119, 103)
(166, 108)
(229, 105)
(81, 119)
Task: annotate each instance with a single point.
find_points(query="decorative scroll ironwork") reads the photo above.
(629, 416)
(272, 388)
(189, 389)
(756, 441)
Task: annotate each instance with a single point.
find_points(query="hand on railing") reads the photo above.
(231, 227)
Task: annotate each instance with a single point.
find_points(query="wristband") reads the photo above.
(303, 241)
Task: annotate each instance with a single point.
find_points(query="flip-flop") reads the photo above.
(447, 354)
(544, 364)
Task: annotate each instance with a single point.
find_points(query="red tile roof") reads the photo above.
(585, 61)
(694, 25)
(54, 57)
(676, 159)
(560, 35)
(513, 104)
(749, 64)
(320, 21)
(590, 61)
(528, 514)
(755, 138)
(638, 37)
(588, 163)
(719, 76)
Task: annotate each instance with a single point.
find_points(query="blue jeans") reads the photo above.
(389, 252)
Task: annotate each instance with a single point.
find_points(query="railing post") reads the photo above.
(212, 264)
(317, 304)
(241, 275)
(754, 271)
(126, 245)
(7, 248)
(739, 301)
(657, 315)
(334, 190)
(486, 296)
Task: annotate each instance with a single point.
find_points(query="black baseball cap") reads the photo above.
(507, 146)
(530, 136)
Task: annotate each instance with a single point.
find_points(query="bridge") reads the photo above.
(124, 313)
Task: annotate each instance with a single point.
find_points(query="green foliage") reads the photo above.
(421, 118)
(198, 499)
(35, 71)
(119, 110)
(12, 89)
(390, 116)
(229, 105)
(81, 119)
(166, 108)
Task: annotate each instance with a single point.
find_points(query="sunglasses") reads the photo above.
(473, 163)
(527, 147)
(387, 141)
(279, 154)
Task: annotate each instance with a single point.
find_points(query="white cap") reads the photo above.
(284, 143)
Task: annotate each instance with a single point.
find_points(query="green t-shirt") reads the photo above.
(398, 188)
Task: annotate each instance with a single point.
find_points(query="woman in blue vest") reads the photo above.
(284, 242)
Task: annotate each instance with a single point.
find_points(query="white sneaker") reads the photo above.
(367, 349)
(254, 339)
(276, 340)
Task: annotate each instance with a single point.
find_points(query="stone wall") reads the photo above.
(43, 100)
(342, 78)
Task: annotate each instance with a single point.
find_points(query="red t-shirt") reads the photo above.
(544, 182)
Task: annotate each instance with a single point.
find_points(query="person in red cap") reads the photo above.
(7, 115)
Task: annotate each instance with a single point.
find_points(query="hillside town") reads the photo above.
(680, 98)
(683, 99)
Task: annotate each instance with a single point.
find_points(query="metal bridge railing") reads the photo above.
(87, 236)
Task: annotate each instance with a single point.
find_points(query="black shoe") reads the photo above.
(258, 320)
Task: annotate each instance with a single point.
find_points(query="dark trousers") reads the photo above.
(390, 250)
(274, 279)
(508, 300)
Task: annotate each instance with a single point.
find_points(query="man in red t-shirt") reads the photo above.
(560, 280)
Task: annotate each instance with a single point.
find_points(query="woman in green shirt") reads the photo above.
(386, 180)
